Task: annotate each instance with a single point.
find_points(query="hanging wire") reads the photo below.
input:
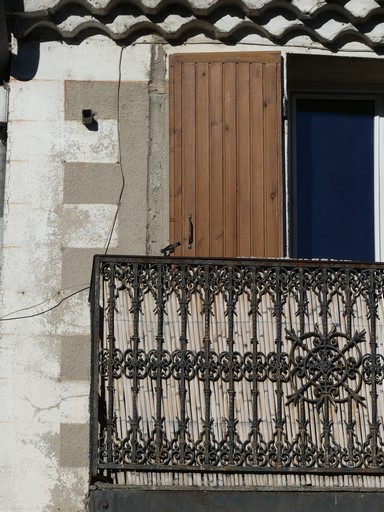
(5, 319)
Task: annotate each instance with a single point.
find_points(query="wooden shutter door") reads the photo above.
(225, 154)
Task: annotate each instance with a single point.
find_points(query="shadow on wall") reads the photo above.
(14, 5)
(24, 64)
(4, 46)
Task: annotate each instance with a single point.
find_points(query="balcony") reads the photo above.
(236, 367)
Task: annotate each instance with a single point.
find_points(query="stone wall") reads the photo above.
(63, 185)
(63, 188)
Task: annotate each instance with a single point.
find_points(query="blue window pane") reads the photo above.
(335, 173)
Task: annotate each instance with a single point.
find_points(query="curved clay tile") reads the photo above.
(279, 21)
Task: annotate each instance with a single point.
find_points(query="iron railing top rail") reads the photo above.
(99, 259)
(273, 262)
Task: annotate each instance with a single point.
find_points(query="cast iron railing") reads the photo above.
(237, 365)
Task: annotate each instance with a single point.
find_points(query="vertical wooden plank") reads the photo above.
(257, 159)
(216, 160)
(189, 153)
(175, 182)
(272, 162)
(243, 161)
(201, 221)
(230, 160)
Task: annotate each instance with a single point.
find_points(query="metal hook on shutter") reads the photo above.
(190, 231)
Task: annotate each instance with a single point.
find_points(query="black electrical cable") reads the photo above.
(4, 319)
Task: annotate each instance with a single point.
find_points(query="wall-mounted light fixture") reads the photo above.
(88, 116)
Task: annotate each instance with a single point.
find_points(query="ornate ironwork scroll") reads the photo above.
(239, 366)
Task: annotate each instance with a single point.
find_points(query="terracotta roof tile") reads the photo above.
(280, 21)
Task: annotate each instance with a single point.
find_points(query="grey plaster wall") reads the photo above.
(158, 189)
(141, 112)
(140, 109)
(143, 130)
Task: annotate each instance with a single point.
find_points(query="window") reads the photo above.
(228, 189)
(335, 162)
(333, 177)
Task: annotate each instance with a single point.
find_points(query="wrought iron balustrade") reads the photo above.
(237, 365)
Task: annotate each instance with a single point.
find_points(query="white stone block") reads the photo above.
(35, 442)
(18, 407)
(40, 359)
(32, 141)
(83, 145)
(74, 315)
(26, 222)
(96, 58)
(36, 326)
(40, 100)
(3, 104)
(38, 183)
(88, 225)
(28, 488)
(30, 274)
(65, 402)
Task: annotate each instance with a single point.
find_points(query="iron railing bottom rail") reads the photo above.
(157, 468)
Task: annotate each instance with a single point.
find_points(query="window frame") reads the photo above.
(378, 159)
